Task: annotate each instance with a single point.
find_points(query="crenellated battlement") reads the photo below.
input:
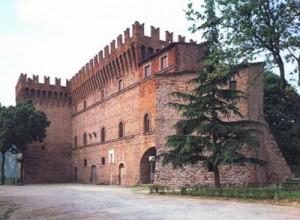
(120, 57)
(30, 88)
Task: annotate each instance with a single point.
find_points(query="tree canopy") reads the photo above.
(21, 125)
(282, 112)
(260, 28)
(204, 133)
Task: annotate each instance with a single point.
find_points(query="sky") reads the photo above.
(57, 37)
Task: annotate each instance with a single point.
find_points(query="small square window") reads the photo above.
(103, 160)
(147, 71)
(102, 95)
(163, 62)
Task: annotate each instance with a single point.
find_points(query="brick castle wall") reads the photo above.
(112, 87)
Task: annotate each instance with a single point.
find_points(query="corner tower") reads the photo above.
(49, 161)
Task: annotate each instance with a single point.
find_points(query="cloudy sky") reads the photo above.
(57, 37)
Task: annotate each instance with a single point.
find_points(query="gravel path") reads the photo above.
(69, 201)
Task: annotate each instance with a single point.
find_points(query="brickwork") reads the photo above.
(130, 82)
(49, 161)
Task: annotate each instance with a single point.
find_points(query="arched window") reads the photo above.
(84, 105)
(146, 123)
(120, 84)
(103, 135)
(75, 142)
(84, 139)
(121, 130)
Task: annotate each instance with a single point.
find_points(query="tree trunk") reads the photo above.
(298, 62)
(2, 169)
(281, 70)
(217, 177)
(22, 171)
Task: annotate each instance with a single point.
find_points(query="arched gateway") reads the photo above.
(147, 166)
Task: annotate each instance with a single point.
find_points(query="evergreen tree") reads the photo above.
(204, 132)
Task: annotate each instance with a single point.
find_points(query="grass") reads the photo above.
(243, 193)
(289, 191)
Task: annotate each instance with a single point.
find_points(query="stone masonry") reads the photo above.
(111, 120)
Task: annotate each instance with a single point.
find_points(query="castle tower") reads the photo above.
(49, 161)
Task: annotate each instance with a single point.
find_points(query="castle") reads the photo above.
(111, 120)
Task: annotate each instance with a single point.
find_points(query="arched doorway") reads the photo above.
(75, 174)
(93, 174)
(122, 172)
(147, 166)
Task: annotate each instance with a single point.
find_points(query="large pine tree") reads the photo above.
(204, 134)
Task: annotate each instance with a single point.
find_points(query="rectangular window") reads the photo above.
(120, 84)
(111, 156)
(103, 160)
(102, 94)
(85, 162)
(147, 71)
(163, 62)
(84, 105)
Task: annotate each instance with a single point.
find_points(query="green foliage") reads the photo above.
(20, 125)
(269, 27)
(252, 29)
(243, 193)
(205, 133)
(282, 112)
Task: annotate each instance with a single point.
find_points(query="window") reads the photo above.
(103, 160)
(147, 71)
(120, 84)
(111, 156)
(84, 105)
(102, 135)
(146, 123)
(84, 139)
(85, 162)
(75, 142)
(163, 62)
(232, 84)
(121, 130)
(102, 95)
